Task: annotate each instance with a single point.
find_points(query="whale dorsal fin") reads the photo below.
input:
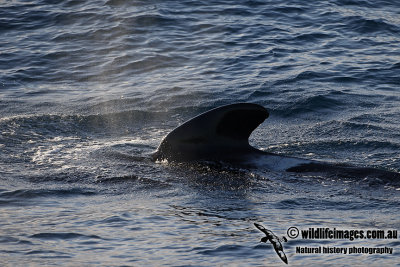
(213, 134)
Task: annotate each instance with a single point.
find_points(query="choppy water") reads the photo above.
(89, 88)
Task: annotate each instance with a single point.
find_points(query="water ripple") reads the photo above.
(88, 89)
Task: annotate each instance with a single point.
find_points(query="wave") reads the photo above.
(335, 204)
(364, 26)
(367, 3)
(26, 197)
(63, 236)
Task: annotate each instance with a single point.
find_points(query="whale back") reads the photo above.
(216, 134)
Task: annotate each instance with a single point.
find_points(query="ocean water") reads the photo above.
(88, 89)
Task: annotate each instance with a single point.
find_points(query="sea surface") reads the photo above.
(88, 89)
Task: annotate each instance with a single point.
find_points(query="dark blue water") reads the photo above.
(88, 89)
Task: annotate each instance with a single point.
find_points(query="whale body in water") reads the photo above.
(222, 134)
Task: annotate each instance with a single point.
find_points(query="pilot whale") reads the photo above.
(222, 135)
